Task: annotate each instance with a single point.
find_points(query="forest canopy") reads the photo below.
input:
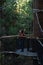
(16, 15)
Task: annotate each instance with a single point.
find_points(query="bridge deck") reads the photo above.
(25, 52)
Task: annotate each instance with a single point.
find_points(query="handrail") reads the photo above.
(8, 36)
(27, 36)
(40, 42)
(39, 23)
(37, 10)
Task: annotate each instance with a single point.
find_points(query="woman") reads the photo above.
(21, 39)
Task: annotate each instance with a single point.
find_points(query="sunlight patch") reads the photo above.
(20, 4)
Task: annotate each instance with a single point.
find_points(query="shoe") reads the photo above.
(27, 49)
(22, 50)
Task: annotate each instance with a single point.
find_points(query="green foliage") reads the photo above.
(15, 17)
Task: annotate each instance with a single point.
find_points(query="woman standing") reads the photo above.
(21, 39)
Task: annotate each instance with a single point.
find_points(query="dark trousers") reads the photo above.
(27, 44)
(20, 43)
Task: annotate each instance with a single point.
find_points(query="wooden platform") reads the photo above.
(25, 52)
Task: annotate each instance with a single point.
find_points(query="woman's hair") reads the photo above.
(22, 31)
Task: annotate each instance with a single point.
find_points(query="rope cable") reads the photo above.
(35, 11)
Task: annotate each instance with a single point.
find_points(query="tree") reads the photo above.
(17, 14)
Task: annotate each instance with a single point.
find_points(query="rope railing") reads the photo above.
(36, 11)
(12, 36)
(39, 23)
(40, 42)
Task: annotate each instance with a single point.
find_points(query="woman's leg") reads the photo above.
(22, 44)
(27, 44)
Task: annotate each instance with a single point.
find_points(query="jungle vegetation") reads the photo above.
(16, 15)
